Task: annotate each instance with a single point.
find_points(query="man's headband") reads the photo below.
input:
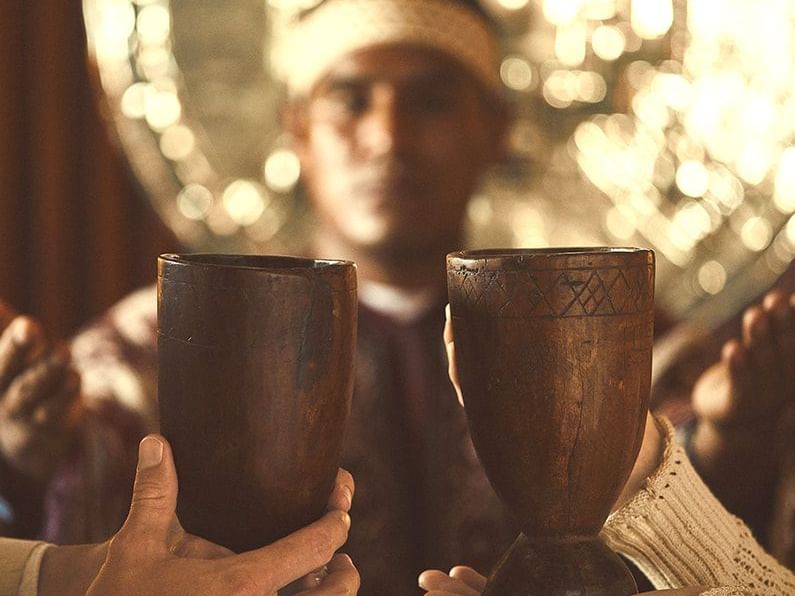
(307, 48)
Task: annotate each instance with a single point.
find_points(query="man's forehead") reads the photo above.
(310, 45)
(401, 64)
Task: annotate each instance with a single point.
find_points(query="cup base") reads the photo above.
(560, 567)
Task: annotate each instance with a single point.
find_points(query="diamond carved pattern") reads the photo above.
(604, 291)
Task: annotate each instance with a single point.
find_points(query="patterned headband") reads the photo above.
(307, 48)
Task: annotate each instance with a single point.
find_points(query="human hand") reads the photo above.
(39, 391)
(465, 581)
(151, 554)
(461, 581)
(743, 406)
(739, 400)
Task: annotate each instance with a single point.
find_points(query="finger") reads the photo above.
(36, 384)
(735, 387)
(767, 375)
(294, 556)
(691, 591)
(50, 413)
(448, 325)
(431, 578)
(311, 580)
(469, 576)
(19, 343)
(452, 367)
(341, 497)
(154, 498)
(434, 579)
(782, 318)
(775, 297)
(342, 578)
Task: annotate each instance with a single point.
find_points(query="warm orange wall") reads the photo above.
(75, 232)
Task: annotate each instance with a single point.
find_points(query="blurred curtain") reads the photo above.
(76, 233)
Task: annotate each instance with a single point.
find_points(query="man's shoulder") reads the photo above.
(133, 319)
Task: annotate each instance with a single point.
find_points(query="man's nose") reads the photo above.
(388, 127)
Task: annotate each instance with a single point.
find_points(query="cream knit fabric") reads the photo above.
(679, 535)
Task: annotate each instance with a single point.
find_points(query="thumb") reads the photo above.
(154, 498)
(449, 344)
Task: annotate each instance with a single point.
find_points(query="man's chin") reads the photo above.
(404, 247)
(395, 237)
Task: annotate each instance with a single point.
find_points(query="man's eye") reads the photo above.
(434, 102)
(350, 101)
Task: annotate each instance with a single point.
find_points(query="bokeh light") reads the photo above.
(195, 201)
(516, 73)
(651, 18)
(756, 233)
(282, 170)
(177, 142)
(712, 277)
(244, 201)
(162, 109)
(658, 123)
(608, 42)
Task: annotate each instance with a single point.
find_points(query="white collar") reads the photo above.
(403, 305)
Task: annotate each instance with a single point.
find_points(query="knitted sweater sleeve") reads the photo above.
(679, 535)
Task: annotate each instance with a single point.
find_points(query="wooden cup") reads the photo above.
(255, 379)
(553, 348)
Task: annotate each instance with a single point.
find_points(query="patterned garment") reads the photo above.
(422, 499)
(88, 499)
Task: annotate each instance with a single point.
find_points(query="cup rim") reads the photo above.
(558, 251)
(280, 263)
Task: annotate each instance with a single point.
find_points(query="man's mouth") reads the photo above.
(389, 188)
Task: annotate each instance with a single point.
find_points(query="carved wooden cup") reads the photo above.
(553, 349)
(255, 380)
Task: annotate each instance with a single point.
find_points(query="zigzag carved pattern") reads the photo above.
(580, 292)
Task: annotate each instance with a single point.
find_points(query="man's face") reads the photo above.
(392, 143)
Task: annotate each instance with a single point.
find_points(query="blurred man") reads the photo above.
(394, 120)
(395, 113)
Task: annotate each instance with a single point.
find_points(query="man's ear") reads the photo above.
(294, 121)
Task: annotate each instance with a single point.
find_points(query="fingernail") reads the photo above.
(346, 519)
(21, 333)
(150, 453)
(346, 490)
